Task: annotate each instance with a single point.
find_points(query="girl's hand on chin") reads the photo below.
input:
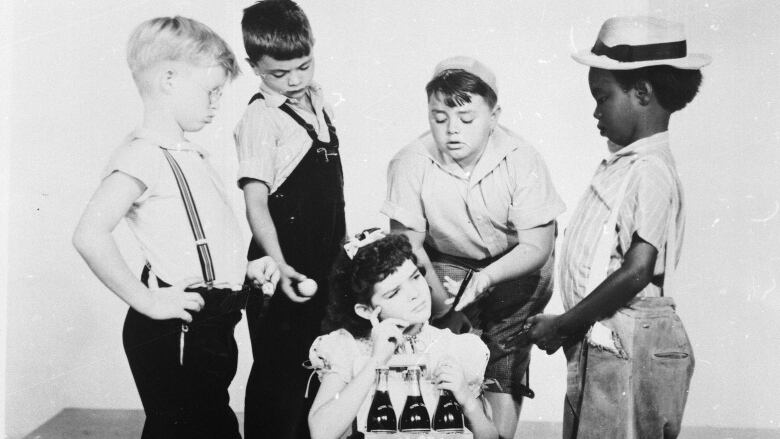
(385, 335)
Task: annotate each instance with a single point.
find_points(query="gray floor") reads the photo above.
(126, 424)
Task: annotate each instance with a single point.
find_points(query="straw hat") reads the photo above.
(626, 43)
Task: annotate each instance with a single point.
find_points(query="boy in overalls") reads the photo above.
(629, 358)
(290, 172)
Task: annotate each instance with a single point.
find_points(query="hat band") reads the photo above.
(647, 52)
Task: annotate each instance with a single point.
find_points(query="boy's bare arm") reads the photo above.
(531, 252)
(612, 294)
(264, 233)
(93, 239)
(616, 290)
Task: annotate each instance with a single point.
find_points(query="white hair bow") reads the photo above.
(361, 240)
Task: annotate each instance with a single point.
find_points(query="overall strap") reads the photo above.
(327, 121)
(297, 117)
(201, 244)
(602, 332)
(608, 238)
(299, 120)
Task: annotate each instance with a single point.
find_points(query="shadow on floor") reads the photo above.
(74, 423)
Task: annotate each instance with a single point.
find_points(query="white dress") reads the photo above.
(340, 353)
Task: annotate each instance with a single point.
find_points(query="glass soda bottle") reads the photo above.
(414, 417)
(381, 416)
(448, 417)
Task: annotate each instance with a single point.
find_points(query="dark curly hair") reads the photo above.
(674, 88)
(352, 280)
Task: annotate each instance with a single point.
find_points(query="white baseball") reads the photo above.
(307, 287)
(268, 289)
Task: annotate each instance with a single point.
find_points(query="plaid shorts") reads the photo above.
(498, 317)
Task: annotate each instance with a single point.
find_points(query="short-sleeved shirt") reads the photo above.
(270, 143)
(474, 215)
(653, 203)
(341, 354)
(159, 220)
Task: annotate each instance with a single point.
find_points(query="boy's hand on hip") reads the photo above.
(287, 280)
(173, 302)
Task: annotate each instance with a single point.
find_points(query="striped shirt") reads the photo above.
(653, 203)
(270, 144)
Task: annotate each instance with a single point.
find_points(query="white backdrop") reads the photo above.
(68, 99)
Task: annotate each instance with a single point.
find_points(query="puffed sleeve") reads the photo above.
(256, 137)
(473, 355)
(534, 199)
(334, 353)
(404, 183)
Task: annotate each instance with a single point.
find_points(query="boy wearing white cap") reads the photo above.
(629, 358)
(472, 194)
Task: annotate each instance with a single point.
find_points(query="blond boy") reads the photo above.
(178, 333)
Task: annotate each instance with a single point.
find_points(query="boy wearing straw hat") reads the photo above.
(628, 356)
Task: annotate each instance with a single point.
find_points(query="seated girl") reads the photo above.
(381, 303)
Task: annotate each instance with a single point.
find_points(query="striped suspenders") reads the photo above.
(204, 255)
(206, 265)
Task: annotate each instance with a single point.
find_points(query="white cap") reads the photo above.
(470, 65)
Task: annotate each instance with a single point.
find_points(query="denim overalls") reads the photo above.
(308, 213)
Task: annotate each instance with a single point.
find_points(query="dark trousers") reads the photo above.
(282, 334)
(191, 400)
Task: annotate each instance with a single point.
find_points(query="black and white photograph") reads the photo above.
(342, 219)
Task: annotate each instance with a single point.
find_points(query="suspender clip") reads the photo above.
(325, 154)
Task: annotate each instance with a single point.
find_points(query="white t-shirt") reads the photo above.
(158, 218)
